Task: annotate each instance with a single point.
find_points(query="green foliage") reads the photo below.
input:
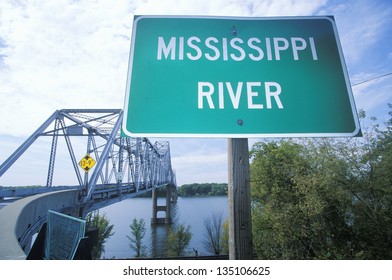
(105, 232)
(324, 198)
(225, 237)
(178, 240)
(206, 189)
(138, 231)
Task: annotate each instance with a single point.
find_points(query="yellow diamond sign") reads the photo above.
(86, 163)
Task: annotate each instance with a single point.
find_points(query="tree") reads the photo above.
(213, 234)
(105, 231)
(219, 189)
(178, 240)
(372, 205)
(300, 208)
(367, 185)
(138, 231)
(204, 189)
(324, 198)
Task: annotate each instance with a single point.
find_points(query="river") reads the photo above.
(188, 211)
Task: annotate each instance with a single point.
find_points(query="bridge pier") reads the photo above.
(164, 208)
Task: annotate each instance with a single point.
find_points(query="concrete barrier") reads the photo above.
(28, 213)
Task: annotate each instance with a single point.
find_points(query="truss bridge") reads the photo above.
(103, 165)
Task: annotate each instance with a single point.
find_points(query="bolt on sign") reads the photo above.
(238, 78)
(86, 163)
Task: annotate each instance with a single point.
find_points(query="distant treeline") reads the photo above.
(205, 189)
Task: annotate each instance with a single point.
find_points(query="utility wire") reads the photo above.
(368, 80)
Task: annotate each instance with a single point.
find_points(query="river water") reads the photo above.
(188, 211)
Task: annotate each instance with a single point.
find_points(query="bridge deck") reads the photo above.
(22, 218)
(25, 214)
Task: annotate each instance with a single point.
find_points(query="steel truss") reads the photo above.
(122, 163)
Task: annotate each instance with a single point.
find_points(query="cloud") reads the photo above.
(364, 29)
(230, 8)
(200, 168)
(361, 24)
(373, 95)
(198, 160)
(61, 55)
(74, 54)
(285, 7)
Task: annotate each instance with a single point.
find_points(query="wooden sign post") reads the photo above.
(240, 220)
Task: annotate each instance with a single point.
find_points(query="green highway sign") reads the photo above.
(237, 77)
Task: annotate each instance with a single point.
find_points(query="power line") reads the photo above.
(368, 80)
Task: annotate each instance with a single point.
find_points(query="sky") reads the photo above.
(74, 54)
